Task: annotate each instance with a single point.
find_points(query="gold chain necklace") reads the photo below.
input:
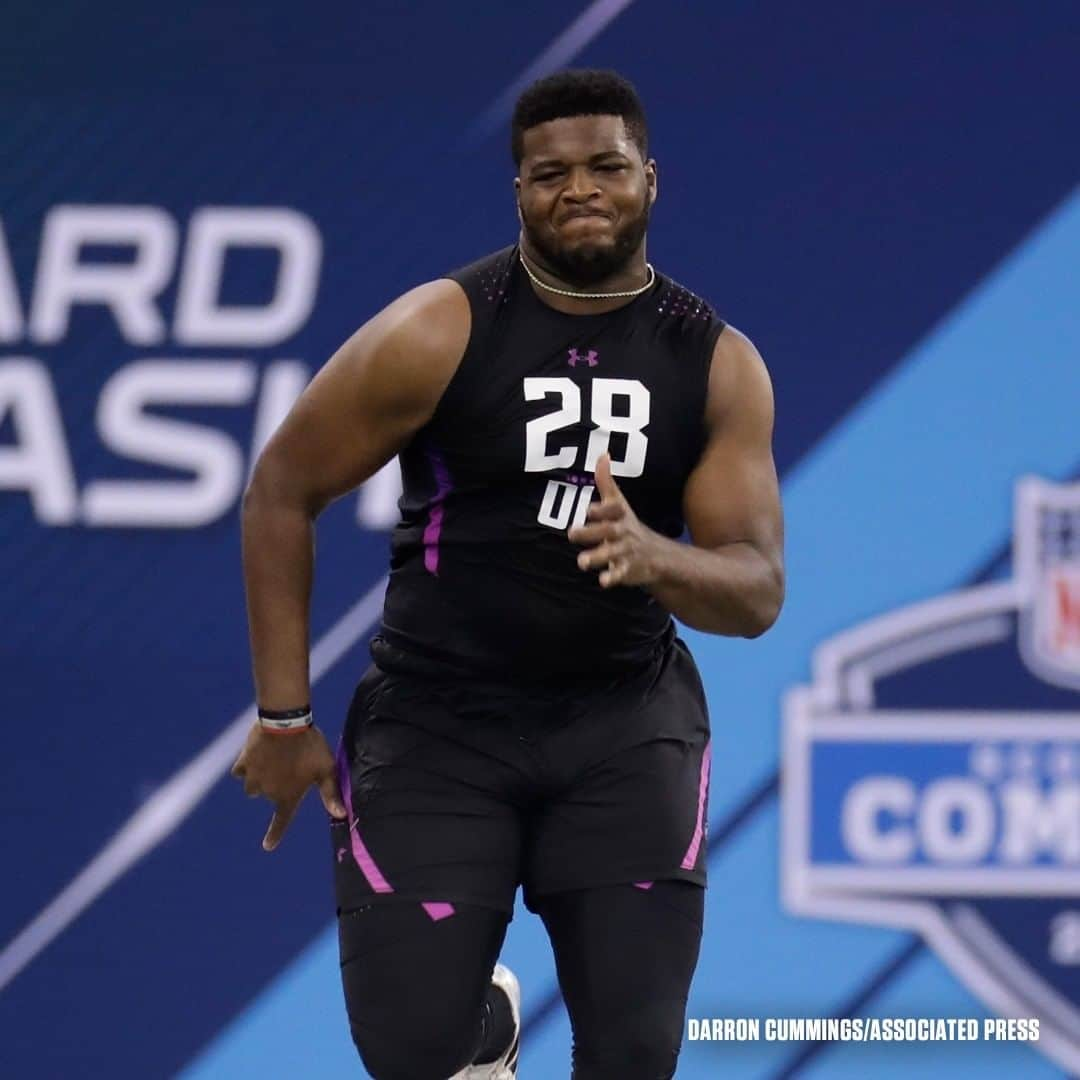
(588, 295)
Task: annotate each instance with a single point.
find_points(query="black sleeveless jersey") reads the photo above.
(483, 577)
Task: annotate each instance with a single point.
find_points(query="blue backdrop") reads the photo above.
(197, 205)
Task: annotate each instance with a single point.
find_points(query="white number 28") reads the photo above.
(630, 421)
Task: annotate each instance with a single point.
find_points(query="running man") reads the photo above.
(561, 411)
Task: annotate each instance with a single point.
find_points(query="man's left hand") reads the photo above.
(623, 549)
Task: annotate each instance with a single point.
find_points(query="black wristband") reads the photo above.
(283, 714)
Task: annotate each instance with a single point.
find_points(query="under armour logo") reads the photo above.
(341, 853)
(590, 358)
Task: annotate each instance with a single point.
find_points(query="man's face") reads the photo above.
(584, 195)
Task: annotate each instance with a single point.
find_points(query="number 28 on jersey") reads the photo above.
(616, 406)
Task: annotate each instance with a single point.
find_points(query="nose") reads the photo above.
(580, 185)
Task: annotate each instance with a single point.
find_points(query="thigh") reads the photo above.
(625, 957)
(430, 796)
(415, 987)
(632, 804)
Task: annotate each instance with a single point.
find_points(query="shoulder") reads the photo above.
(734, 354)
(678, 300)
(487, 277)
(429, 323)
(688, 322)
(415, 345)
(406, 354)
(680, 305)
(738, 379)
(431, 319)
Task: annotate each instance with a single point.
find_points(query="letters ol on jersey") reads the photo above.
(962, 821)
(37, 462)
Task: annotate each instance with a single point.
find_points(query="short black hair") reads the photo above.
(581, 92)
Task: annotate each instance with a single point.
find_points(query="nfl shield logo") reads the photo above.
(931, 776)
(1048, 569)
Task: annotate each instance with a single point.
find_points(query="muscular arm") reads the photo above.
(377, 390)
(730, 578)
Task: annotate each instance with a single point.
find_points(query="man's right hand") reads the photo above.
(281, 767)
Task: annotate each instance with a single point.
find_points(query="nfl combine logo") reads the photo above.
(932, 776)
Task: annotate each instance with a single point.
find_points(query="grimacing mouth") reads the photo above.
(575, 214)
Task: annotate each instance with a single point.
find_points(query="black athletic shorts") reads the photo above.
(459, 790)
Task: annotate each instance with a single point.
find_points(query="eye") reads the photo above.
(611, 168)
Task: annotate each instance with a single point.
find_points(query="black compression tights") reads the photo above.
(416, 990)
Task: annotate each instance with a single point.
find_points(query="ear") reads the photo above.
(652, 180)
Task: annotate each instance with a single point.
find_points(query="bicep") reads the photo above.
(733, 495)
(370, 398)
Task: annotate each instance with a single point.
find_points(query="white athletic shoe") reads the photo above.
(505, 1066)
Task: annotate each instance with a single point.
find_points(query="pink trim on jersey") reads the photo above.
(644, 884)
(433, 529)
(703, 789)
(360, 853)
(438, 911)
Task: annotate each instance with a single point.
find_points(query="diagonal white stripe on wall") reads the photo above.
(166, 810)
